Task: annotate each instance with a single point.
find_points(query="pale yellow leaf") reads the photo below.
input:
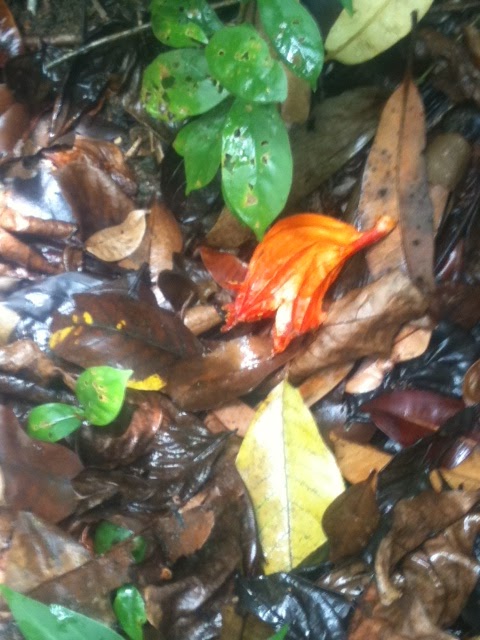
(119, 241)
(291, 477)
(375, 26)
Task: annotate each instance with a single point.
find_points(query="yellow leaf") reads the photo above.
(375, 26)
(291, 477)
(115, 243)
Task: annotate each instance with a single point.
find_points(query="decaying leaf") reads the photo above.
(291, 477)
(364, 322)
(118, 242)
(36, 475)
(292, 289)
(395, 182)
(374, 25)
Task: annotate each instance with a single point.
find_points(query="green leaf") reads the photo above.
(200, 143)
(295, 37)
(291, 476)
(53, 421)
(256, 164)
(129, 608)
(280, 635)
(101, 392)
(374, 26)
(183, 24)
(39, 621)
(241, 61)
(177, 85)
(348, 6)
(108, 534)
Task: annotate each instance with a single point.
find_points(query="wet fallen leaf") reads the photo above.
(293, 290)
(183, 535)
(36, 475)
(407, 416)
(350, 520)
(374, 25)
(291, 477)
(358, 461)
(395, 182)
(165, 239)
(364, 322)
(471, 384)
(117, 242)
(124, 332)
(231, 369)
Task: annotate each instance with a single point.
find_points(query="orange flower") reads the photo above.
(291, 270)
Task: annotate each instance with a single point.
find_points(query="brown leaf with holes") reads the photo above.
(395, 183)
(36, 474)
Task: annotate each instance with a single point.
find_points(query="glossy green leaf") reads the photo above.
(108, 534)
(200, 143)
(39, 621)
(241, 61)
(177, 85)
(256, 164)
(374, 26)
(53, 421)
(291, 476)
(129, 608)
(280, 635)
(348, 6)
(183, 24)
(101, 392)
(294, 35)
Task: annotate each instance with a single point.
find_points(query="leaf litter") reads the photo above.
(87, 280)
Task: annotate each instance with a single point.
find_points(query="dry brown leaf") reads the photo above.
(364, 322)
(165, 239)
(236, 416)
(466, 475)
(118, 242)
(357, 461)
(319, 384)
(395, 184)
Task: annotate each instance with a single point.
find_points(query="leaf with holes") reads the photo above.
(101, 392)
(53, 421)
(291, 476)
(241, 62)
(183, 24)
(177, 85)
(373, 27)
(200, 143)
(295, 36)
(256, 164)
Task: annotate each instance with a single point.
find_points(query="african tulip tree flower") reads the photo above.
(291, 270)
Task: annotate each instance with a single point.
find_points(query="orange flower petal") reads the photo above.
(291, 270)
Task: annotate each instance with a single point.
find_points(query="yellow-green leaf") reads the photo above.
(291, 477)
(374, 26)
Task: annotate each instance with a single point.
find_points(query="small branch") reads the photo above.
(97, 43)
(120, 36)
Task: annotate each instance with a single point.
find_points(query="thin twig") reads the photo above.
(97, 43)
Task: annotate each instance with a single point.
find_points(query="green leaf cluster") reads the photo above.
(232, 79)
(100, 391)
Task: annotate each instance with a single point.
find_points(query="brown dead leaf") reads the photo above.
(432, 537)
(182, 535)
(53, 568)
(316, 387)
(165, 239)
(36, 475)
(466, 475)
(350, 520)
(364, 322)
(118, 242)
(395, 184)
(202, 318)
(14, 250)
(236, 416)
(25, 356)
(358, 461)
(471, 384)
(414, 522)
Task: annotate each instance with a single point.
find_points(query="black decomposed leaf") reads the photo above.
(283, 598)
